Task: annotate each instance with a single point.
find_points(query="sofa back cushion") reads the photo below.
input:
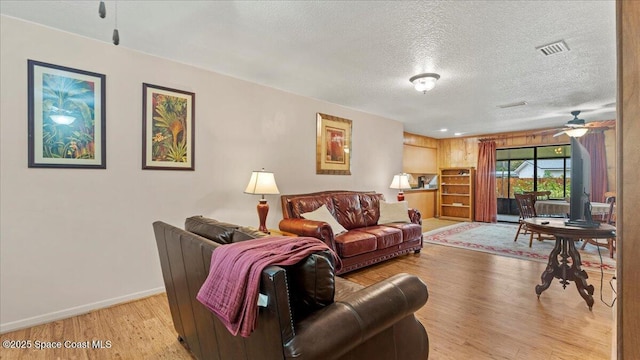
(211, 229)
(244, 233)
(370, 204)
(352, 209)
(348, 210)
(306, 204)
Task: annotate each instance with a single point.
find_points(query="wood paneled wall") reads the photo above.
(463, 151)
(628, 145)
(458, 152)
(417, 145)
(610, 148)
(419, 140)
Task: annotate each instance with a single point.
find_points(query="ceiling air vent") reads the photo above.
(553, 48)
(519, 103)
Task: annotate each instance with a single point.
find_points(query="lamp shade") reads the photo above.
(262, 183)
(576, 132)
(400, 181)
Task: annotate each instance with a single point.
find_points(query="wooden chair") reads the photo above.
(610, 218)
(527, 210)
(609, 194)
(607, 198)
(539, 195)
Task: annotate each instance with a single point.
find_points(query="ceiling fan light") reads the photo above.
(424, 82)
(576, 132)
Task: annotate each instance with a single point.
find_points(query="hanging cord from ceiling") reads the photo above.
(116, 34)
(102, 11)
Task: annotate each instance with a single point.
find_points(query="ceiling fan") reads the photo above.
(576, 127)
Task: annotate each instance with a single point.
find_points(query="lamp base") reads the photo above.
(263, 210)
(401, 196)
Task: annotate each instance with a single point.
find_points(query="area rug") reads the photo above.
(498, 239)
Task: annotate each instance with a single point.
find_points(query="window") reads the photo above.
(533, 169)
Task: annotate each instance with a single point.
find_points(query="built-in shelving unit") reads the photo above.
(456, 193)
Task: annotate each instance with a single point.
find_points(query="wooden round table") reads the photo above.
(558, 266)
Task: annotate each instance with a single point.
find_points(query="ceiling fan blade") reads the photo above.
(560, 133)
(595, 124)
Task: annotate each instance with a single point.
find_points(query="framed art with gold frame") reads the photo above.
(333, 145)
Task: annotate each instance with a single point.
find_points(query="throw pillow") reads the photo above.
(397, 212)
(323, 214)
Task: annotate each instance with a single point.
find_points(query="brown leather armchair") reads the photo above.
(376, 322)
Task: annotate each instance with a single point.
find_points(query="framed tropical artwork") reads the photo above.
(333, 145)
(168, 117)
(66, 115)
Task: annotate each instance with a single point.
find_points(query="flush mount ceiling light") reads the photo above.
(424, 82)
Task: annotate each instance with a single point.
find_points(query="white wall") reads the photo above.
(72, 240)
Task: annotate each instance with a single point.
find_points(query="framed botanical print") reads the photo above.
(333, 145)
(66, 117)
(168, 119)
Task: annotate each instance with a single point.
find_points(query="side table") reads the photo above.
(565, 248)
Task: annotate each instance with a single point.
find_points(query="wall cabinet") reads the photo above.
(456, 193)
(419, 160)
(423, 200)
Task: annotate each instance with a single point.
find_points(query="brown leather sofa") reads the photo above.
(376, 322)
(366, 242)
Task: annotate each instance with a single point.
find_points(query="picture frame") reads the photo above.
(168, 128)
(66, 117)
(333, 145)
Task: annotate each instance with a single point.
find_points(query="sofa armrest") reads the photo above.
(303, 227)
(345, 325)
(415, 216)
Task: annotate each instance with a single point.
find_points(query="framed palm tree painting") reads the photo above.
(168, 117)
(66, 114)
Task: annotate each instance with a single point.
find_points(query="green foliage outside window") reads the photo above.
(518, 186)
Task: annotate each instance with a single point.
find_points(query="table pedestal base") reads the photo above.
(561, 269)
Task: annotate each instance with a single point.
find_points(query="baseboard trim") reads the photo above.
(75, 311)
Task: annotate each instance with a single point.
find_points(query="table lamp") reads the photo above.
(400, 182)
(262, 183)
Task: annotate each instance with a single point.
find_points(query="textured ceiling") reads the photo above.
(361, 54)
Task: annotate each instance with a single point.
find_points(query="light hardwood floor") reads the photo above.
(480, 306)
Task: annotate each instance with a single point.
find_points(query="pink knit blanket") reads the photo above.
(231, 288)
